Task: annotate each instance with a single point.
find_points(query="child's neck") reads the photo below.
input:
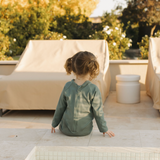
(81, 79)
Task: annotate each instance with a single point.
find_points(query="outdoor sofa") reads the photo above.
(153, 72)
(39, 77)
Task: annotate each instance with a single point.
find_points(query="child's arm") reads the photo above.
(61, 107)
(97, 106)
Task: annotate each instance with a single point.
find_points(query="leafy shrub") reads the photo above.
(37, 22)
(112, 32)
(132, 32)
(4, 39)
(50, 36)
(74, 26)
(27, 22)
(144, 45)
(4, 47)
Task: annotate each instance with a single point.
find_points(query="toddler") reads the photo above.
(80, 100)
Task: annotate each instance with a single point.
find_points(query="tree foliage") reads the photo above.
(144, 45)
(147, 12)
(59, 20)
(32, 20)
(29, 22)
(4, 47)
(59, 6)
(115, 36)
(131, 24)
(50, 36)
(5, 26)
(75, 26)
(85, 6)
(37, 20)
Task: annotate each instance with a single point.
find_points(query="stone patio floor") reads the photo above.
(136, 125)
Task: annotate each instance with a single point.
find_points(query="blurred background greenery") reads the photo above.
(123, 29)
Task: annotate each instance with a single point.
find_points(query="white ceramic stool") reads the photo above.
(128, 88)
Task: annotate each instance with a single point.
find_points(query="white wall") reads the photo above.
(138, 67)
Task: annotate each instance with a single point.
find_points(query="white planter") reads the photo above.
(128, 89)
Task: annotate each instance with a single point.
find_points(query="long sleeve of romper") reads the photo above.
(61, 107)
(98, 111)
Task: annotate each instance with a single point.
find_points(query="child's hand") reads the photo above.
(53, 129)
(110, 133)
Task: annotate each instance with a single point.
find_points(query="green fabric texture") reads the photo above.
(77, 107)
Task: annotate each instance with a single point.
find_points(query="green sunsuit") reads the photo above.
(77, 107)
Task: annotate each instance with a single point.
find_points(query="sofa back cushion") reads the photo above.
(51, 55)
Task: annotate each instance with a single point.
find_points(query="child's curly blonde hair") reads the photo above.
(83, 63)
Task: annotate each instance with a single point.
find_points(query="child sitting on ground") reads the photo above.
(80, 100)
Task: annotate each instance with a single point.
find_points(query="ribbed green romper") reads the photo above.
(77, 107)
